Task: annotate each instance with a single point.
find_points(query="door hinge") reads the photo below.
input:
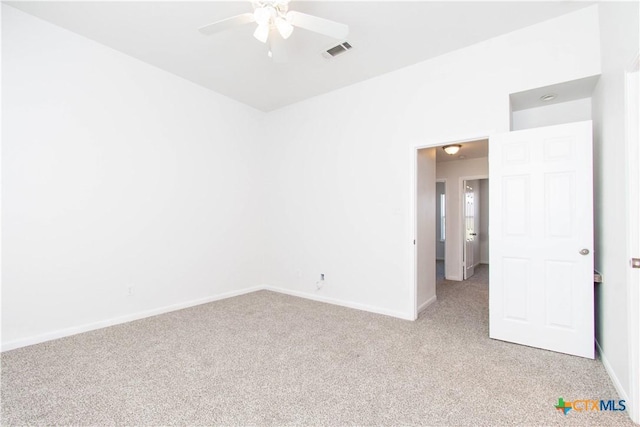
(635, 262)
(414, 241)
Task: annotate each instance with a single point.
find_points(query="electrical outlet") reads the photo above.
(322, 276)
(130, 291)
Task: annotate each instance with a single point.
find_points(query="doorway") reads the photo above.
(470, 162)
(438, 213)
(475, 222)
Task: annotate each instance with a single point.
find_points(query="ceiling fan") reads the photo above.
(275, 15)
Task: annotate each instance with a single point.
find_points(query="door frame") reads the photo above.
(413, 205)
(633, 243)
(461, 218)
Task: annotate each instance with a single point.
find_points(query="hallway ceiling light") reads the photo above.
(452, 149)
(548, 97)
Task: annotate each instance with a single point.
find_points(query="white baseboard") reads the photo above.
(607, 366)
(334, 301)
(426, 304)
(61, 333)
(454, 278)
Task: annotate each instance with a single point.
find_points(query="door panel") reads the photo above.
(516, 297)
(559, 204)
(541, 204)
(559, 286)
(516, 212)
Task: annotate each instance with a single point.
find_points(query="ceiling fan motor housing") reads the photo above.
(271, 9)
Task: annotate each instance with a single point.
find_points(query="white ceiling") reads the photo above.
(386, 35)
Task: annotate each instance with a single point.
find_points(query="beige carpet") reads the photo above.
(271, 359)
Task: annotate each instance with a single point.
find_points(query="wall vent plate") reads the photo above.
(337, 50)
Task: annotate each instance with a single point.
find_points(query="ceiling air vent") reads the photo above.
(336, 50)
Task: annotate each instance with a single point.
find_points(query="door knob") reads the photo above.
(584, 252)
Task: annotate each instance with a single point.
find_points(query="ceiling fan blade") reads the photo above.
(318, 25)
(226, 24)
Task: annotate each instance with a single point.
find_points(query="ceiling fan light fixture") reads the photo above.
(452, 149)
(262, 15)
(284, 28)
(275, 15)
(262, 33)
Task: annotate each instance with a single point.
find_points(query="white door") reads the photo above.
(470, 229)
(541, 225)
(633, 308)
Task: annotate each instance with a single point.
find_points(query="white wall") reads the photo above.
(453, 171)
(116, 174)
(167, 187)
(619, 30)
(343, 163)
(578, 110)
(440, 189)
(484, 221)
